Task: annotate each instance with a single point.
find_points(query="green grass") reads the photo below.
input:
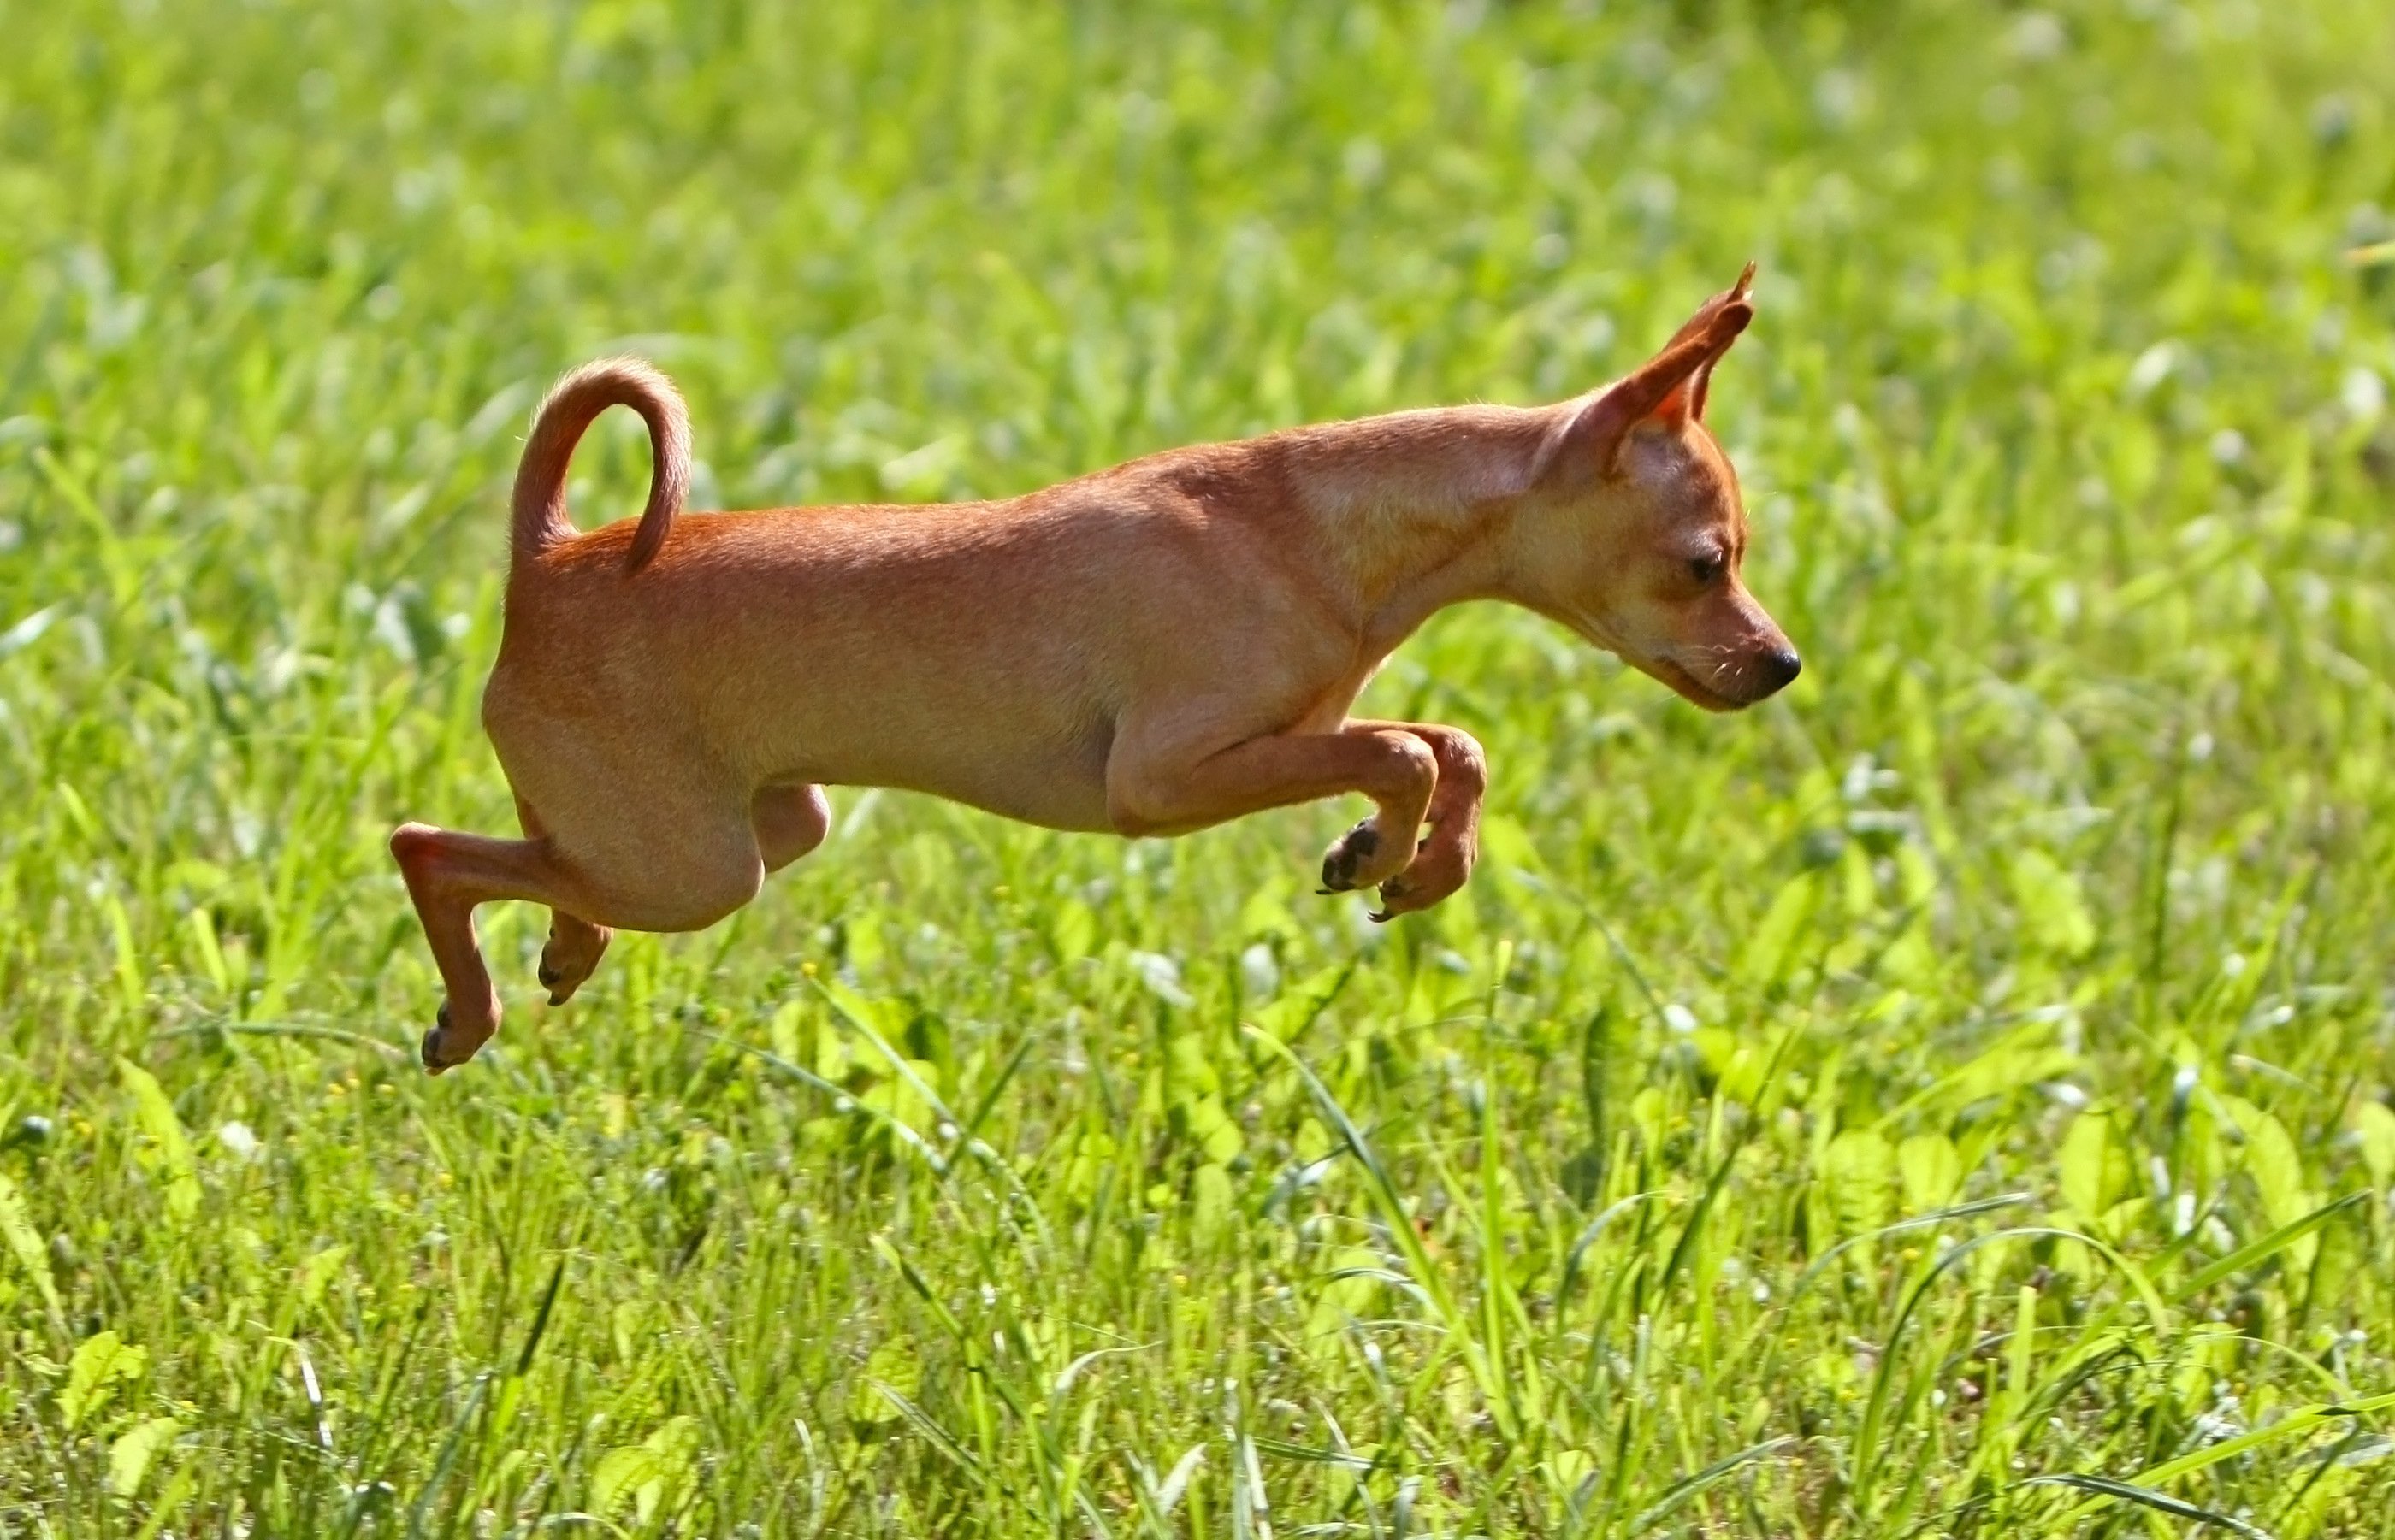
(982, 1181)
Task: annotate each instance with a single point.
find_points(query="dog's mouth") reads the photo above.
(1668, 670)
(1689, 688)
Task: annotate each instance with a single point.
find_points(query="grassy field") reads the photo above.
(1952, 1099)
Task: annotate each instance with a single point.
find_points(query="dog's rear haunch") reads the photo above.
(1148, 649)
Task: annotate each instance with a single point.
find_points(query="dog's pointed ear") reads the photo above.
(1689, 401)
(1669, 387)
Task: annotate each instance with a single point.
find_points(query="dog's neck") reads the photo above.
(1413, 507)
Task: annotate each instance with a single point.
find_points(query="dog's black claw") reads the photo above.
(557, 997)
(1382, 917)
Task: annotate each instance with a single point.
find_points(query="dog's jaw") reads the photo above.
(1688, 686)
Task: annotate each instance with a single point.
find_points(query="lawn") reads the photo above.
(1955, 1097)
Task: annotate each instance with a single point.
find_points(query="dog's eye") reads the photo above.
(1705, 569)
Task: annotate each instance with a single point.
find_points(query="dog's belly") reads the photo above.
(1076, 809)
(1006, 740)
(1057, 786)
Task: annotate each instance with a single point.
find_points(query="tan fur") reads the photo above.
(1148, 649)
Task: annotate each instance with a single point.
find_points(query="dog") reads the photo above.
(1149, 650)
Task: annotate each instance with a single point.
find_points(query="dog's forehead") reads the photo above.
(1709, 454)
(1695, 482)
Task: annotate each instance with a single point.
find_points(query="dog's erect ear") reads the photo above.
(1689, 401)
(1669, 387)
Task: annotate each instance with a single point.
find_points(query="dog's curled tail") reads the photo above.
(540, 517)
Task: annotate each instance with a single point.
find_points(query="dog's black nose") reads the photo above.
(1781, 667)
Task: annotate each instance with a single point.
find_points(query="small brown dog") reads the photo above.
(1149, 650)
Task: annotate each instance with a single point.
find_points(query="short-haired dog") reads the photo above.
(1146, 650)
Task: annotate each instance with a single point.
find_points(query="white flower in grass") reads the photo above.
(1162, 975)
(1259, 972)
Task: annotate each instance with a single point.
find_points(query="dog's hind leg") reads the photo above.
(447, 874)
(709, 869)
(789, 821)
(575, 945)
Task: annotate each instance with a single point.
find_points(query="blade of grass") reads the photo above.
(1681, 1492)
(1384, 1191)
(2254, 1253)
(2161, 1502)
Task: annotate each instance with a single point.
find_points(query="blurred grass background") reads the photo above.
(1953, 1099)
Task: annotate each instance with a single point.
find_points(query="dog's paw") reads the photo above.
(1362, 857)
(1346, 852)
(1441, 865)
(573, 951)
(448, 1046)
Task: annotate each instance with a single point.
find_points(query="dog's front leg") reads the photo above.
(1446, 856)
(1151, 792)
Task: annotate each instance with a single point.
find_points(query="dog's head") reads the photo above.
(1635, 531)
